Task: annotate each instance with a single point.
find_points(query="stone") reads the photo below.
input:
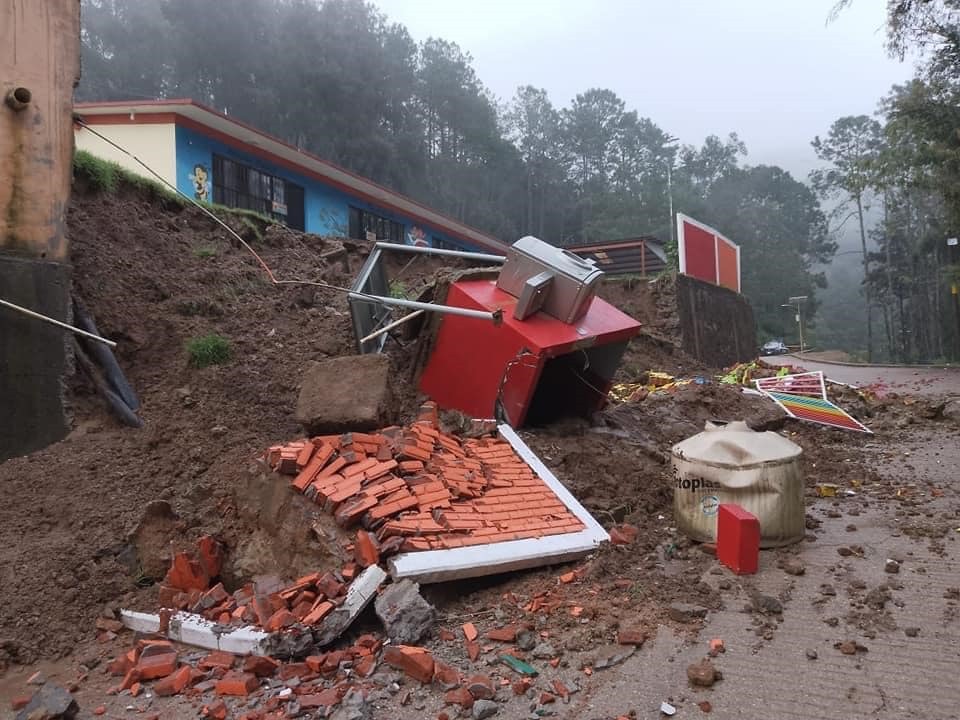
(406, 616)
(811, 654)
(767, 605)
(891, 566)
(544, 651)
(50, 702)
(526, 640)
(702, 674)
(794, 567)
(484, 709)
(911, 631)
(346, 393)
(481, 687)
(686, 613)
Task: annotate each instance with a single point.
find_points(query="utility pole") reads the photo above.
(952, 243)
(39, 66)
(797, 301)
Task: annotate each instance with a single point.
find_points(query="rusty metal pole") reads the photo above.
(39, 67)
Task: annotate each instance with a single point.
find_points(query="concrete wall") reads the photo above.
(153, 144)
(40, 56)
(716, 324)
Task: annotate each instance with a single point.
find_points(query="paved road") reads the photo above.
(917, 381)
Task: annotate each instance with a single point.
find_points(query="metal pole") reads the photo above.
(496, 316)
(44, 318)
(670, 199)
(800, 320)
(391, 326)
(437, 251)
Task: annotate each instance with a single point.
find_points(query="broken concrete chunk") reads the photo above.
(406, 616)
(361, 592)
(346, 393)
(484, 709)
(686, 613)
(702, 674)
(50, 702)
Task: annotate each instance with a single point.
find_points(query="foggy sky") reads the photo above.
(771, 70)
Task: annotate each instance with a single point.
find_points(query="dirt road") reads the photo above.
(916, 381)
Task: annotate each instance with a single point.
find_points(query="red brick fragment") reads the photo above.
(366, 666)
(481, 687)
(459, 696)
(260, 665)
(293, 670)
(151, 667)
(546, 698)
(237, 683)
(504, 634)
(417, 662)
(561, 690)
(318, 613)
(216, 711)
(280, 619)
(20, 702)
(100, 710)
(521, 686)
(473, 651)
(445, 676)
(186, 573)
(211, 555)
(470, 631)
(631, 636)
(327, 699)
(218, 658)
(173, 684)
(365, 550)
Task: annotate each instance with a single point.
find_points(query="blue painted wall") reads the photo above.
(326, 209)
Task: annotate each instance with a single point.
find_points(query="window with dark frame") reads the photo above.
(243, 186)
(383, 229)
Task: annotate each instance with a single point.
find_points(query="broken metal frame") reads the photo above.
(370, 303)
(430, 566)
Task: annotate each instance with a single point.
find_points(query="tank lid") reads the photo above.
(735, 444)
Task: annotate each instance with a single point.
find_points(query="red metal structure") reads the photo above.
(531, 371)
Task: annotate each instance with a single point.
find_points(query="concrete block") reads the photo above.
(346, 393)
(406, 616)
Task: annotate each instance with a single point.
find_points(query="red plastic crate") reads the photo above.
(738, 539)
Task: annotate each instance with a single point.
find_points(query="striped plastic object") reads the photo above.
(816, 410)
(809, 384)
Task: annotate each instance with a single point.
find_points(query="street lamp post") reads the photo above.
(797, 301)
(669, 140)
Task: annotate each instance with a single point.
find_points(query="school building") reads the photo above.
(214, 158)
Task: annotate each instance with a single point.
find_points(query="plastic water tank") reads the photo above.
(730, 463)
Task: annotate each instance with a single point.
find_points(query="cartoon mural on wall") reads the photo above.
(201, 183)
(417, 237)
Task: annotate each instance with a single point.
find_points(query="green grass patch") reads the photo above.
(105, 176)
(205, 251)
(208, 350)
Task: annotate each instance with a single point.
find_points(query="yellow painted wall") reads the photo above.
(155, 145)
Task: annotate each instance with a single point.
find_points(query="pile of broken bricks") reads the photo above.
(418, 488)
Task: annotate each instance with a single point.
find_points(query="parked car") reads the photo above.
(774, 347)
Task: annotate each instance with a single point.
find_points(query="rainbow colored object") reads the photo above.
(816, 410)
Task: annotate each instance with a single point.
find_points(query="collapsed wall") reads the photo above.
(682, 316)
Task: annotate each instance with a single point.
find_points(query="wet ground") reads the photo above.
(909, 380)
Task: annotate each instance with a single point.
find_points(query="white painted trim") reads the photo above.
(681, 243)
(192, 629)
(431, 566)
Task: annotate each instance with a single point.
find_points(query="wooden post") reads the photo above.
(39, 67)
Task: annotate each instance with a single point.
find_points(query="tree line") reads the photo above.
(339, 79)
(906, 162)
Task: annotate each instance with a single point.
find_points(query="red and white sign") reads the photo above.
(706, 254)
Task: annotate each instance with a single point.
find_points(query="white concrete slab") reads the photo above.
(361, 591)
(431, 566)
(196, 630)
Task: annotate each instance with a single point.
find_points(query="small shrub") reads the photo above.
(205, 251)
(208, 350)
(103, 176)
(398, 289)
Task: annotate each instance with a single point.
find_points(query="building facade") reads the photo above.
(216, 159)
